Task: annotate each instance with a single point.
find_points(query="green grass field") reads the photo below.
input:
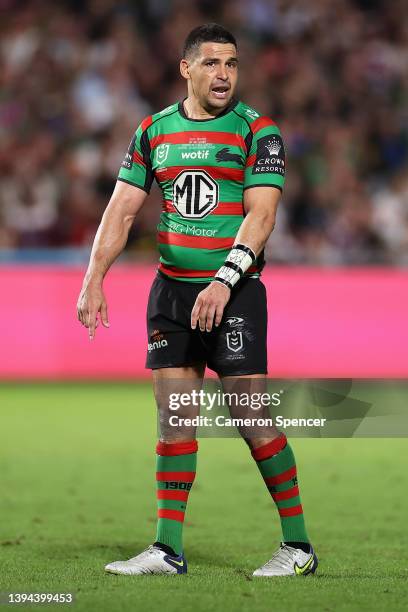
(78, 490)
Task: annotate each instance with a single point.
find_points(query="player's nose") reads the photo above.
(222, 72)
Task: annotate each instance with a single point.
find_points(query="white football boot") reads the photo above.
(288, 561)
(153, 560)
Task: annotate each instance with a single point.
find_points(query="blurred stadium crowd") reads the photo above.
(78, 76)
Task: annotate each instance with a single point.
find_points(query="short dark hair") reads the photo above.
(209, 32)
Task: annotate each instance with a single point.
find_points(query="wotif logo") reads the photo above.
(195, 154)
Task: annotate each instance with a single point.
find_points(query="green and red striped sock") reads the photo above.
(176, 469)
(276, 462)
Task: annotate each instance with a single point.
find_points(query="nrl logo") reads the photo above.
(162, 152)
(273, 146)
(235, 341)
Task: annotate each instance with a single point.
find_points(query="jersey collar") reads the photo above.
(226, 110)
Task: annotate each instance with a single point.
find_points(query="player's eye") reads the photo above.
(209, 63)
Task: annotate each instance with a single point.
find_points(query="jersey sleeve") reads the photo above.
(136, 168)
(265, 164)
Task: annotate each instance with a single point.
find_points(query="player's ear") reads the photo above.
(184, 70)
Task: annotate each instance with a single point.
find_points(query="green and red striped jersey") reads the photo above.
(203, 168)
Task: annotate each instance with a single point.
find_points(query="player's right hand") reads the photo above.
(92, 301)
(209, 306)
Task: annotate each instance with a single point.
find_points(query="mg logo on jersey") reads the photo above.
(162, 152)
(195, 194)
(235, 341)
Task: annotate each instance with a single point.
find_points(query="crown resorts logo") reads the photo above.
(270, 155)
(273, 146)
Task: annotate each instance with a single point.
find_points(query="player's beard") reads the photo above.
(212, 103)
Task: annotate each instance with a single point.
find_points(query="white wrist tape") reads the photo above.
(237, 263)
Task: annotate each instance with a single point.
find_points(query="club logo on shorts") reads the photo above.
(235, 321)
(235, 341)
(195, 194)
(162, 152)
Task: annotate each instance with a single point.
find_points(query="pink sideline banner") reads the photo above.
(322, 323)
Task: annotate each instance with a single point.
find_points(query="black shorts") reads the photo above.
(237, 347)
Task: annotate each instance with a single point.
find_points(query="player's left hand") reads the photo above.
(209, 306)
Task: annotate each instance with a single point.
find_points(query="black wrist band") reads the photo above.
(223, 281)
(247, 250)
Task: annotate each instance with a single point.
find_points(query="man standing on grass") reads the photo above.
(221, 169)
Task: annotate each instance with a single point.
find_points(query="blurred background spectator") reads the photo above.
(78, 76)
